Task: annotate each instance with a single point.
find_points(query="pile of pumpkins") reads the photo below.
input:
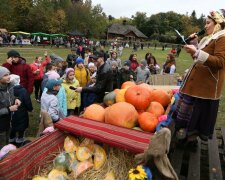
(132, 106)
(76, 158)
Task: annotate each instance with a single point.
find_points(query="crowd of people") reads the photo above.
(65, 88)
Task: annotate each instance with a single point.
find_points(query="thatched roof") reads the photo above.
(125, 29)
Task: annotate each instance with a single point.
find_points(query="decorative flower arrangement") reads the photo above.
(140, 173)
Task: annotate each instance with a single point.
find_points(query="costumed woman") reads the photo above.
(200, 93)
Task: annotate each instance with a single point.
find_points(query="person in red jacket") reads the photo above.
(133, 62)
(17, 65)
(37, 68)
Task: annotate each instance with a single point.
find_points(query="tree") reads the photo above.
(110, 17)
(139, 20)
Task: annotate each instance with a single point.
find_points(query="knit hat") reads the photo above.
(91, 64)
(13, 53)
(3, 71)
(14, 79)
(52, 75)
(68, 70)
(144, 62)
(114, 63)
(53, 82)
(79, 60)
(126, 63)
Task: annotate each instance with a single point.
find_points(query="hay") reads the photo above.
(45, 166)
(118, 161)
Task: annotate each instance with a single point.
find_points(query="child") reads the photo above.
(8, 104)
(92, 68)
(61, 95)
(126, 74)
(73, 98)
(153, 66)
(115, 74)
(49, 68)
(37, 68)
(81, 73)
(113, 57)
(143, 72)
(169, 67)
(20, 118)
(133, 62)
(49, 101)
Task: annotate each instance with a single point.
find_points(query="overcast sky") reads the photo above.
(127, 8)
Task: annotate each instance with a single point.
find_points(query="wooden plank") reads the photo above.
(194, 163)
(176, 160)
(223, 135)
(215, 172)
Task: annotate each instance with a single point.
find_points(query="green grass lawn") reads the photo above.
(30, 52)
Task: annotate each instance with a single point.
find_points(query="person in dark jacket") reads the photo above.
(89, 97)
(17, 65)
(20, 118)
(115, 74)
(126, 74)
(104, 81)
(8, 104)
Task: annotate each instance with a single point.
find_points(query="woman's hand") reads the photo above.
(191, 49)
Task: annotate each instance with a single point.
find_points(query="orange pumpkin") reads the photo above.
(138, 96)
(146, 86)
(120, 95)
(127, 84)
(170, 92)
(161, 96)
(95, 112)
(147, 121)
(156, 108)
(116, 90)
(121, 114)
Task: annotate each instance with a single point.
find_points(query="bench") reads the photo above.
(206, 162)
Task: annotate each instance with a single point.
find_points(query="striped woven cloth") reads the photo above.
(26, 161)
(127, 139)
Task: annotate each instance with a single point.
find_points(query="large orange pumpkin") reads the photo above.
(121, 114)
(147, 121)
(147, 86)
(161, 96)
(138, 96)
(95, 112)
(127, 84)
(156, 108)
(120, 95)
